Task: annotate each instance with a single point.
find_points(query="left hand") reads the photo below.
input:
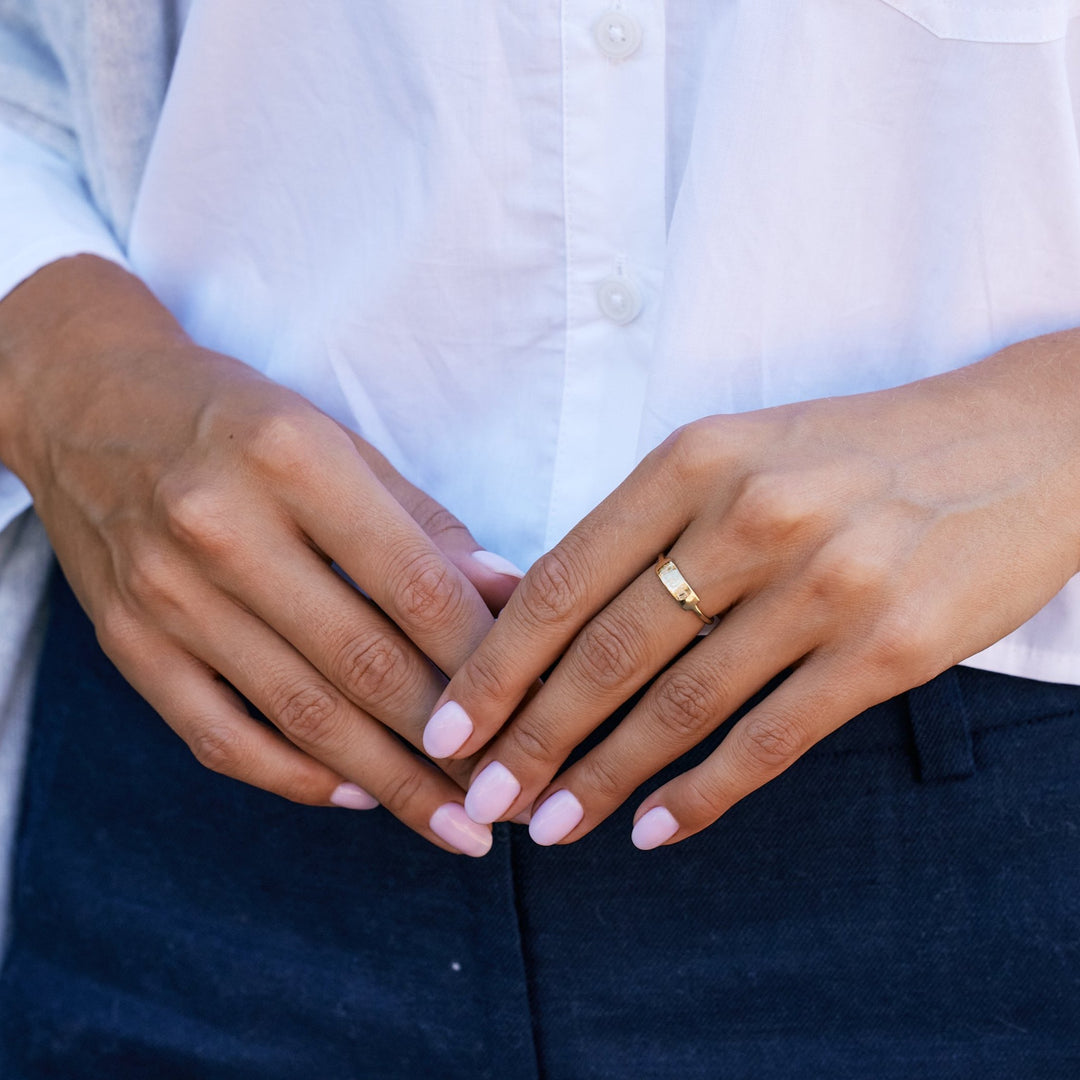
(866, 543)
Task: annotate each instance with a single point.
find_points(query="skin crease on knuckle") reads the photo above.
(685, 706)
(532, 744)
(549, 593)
(768, 743)
(399, 790)
(608, 652)
(701, 797)
(310, 715)
(602, 777)
(427, 592)
(218, 746)
(484, 679)
(375, 670)
(437, 521)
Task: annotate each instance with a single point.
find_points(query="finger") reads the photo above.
(214, 724)
(810, 704)
(612, 657)
(336, 629)
(561, 592)
(493, 576)
(685, 705)
(288, 585)
(317, 719)
(313, 716)
(338, 503)
(348, 640)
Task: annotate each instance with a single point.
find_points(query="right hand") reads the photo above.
(197, 508)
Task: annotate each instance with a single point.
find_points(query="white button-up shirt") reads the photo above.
(515, 244)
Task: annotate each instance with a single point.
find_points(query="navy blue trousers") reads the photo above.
(904, 902)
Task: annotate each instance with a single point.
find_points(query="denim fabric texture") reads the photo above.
(904, 902)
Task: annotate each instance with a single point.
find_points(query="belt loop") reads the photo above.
(939, 723)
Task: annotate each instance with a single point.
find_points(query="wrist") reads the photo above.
(58, 329)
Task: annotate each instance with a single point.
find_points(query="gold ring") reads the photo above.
(671, 578)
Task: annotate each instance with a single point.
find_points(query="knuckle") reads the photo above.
(902, 648)
(549, 592)
(769, 743)
(601, 776)
(607, 652)
(375, 670)
(198, 517)
(438, 522)
(533, 742)
(280, 445)
(429, 593)
(218, 747)
(688, 450)
(400, 790)
(117, 632)
(769, 507)
(150, 578)
(706, 792)
(848, 570)
(309, 715)
(487, 679)
(684, 703)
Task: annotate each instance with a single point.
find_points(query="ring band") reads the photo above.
(671, 578)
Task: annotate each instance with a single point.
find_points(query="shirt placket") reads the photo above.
(614, 206)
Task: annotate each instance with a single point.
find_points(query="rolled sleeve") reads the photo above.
(45, 214)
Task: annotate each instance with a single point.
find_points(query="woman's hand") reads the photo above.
(197, 509)
(864, 544)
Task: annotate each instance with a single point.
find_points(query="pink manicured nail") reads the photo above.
(353, 797)
(490, 561)
(555, 818)
(452, 824)
(447, 730)
(654, 828)
(491, 793)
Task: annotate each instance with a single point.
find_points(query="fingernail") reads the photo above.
(654, 828)
(491, 793)
(447, 730)
(452, 824)
(523, 818)
(555, 818)
(491, 561)
(353, 797)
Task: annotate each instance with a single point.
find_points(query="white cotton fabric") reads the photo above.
(405, 210)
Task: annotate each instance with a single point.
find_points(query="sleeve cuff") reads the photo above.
(45, 212)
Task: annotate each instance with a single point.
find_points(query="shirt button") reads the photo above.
(617, 35)
(618, 299)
